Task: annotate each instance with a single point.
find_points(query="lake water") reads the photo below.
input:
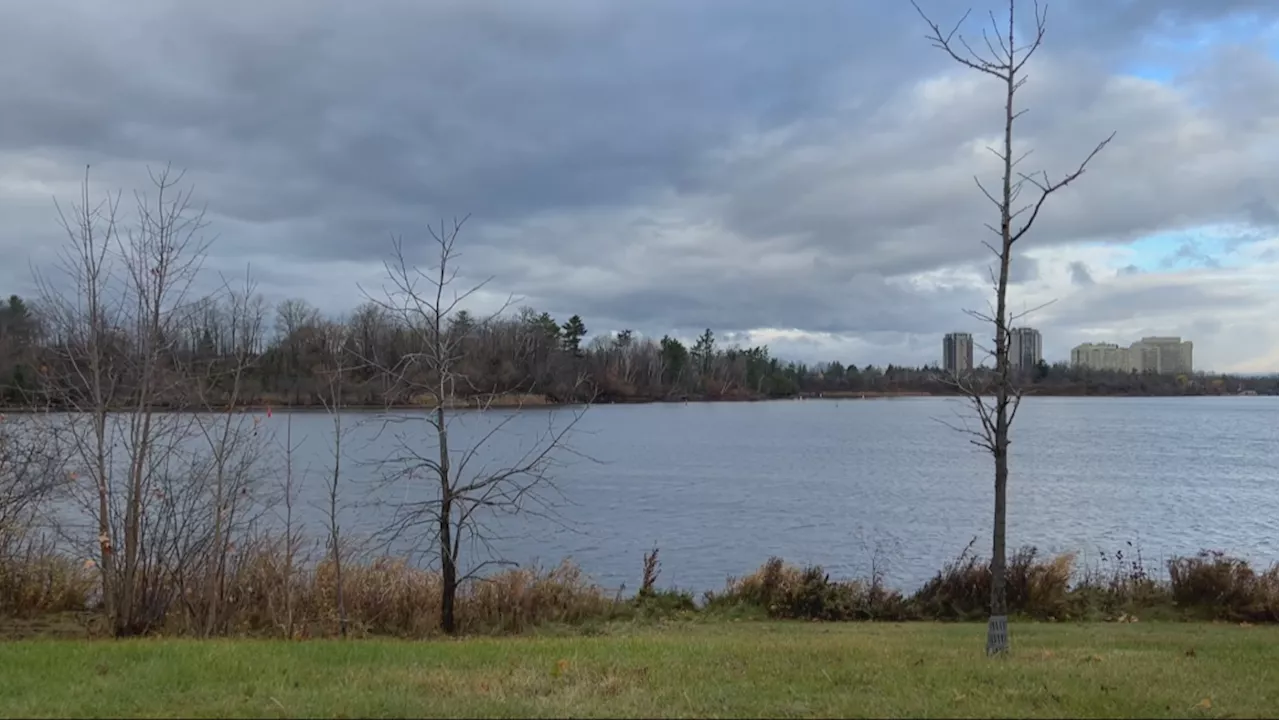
(720, 487)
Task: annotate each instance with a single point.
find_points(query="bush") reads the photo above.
(1035, 588)
(1216, 586)
(663, 603)
(786, 591)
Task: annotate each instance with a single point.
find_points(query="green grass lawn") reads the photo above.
(680, 669)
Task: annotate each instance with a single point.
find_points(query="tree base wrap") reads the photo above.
(997, 634)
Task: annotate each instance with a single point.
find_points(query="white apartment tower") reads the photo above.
(1025, 348)
(957, 352)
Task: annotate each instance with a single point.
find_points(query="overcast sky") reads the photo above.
(796, 173)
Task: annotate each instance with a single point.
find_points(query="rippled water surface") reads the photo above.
(721, 487)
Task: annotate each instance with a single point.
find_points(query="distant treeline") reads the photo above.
(288, 355)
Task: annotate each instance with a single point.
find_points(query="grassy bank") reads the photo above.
(683, 669)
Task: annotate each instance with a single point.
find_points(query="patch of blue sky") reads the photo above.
(1202, 247)
(1151, 71)
(1175, 50)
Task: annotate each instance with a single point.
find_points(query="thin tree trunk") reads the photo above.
(997, 625)
(288, 528)
(110, 602)
(335, 539)
(448, 556)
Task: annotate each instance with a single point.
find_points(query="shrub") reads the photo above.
(786, 591)
(1035, 588)
(662, 603)
(1213, 585)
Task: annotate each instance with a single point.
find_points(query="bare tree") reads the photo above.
(296, 322)
(335, 370)
(86, 380)
(233, 439)
(117, 314)
(468, 487)
(1004, 60)
(292, 532)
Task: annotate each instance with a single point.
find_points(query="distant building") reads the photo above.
(1144, 358)
(1173, 354)
(957, 352)
(1156, 354)
(1025, 348)
(1101, 356)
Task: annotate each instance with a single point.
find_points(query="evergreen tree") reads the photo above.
(571, 334)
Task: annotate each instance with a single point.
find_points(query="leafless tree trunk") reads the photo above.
(291, 531)
(336, 335)
(1004, 61)
(424, 302)
(85, 325)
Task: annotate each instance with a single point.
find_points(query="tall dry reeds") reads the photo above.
(35, 580)
(390, 597)
(265, 597)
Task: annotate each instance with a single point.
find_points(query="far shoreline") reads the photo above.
(533, 401)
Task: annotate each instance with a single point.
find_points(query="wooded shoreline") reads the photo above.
(508, 402)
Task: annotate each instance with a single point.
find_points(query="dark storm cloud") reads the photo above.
(492, 108)
(655, 165)
(1262, 212)
(1080, 274)
(1190, 252)
(1024, 269)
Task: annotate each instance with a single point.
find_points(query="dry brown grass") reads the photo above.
(35, 580)
(391, 597)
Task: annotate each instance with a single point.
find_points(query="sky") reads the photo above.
(799, 174)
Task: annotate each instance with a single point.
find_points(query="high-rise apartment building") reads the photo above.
(957, 352)
(1025, 348)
